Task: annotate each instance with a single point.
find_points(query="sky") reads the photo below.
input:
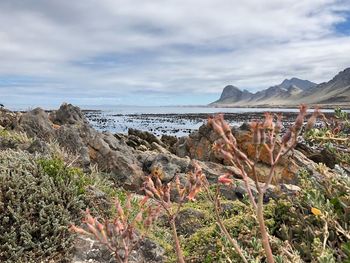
(164, 52)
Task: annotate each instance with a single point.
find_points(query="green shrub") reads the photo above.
(36, 210)
(59, 172)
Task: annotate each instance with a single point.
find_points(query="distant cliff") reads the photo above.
(291, 92)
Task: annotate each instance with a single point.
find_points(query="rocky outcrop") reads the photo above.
(36, 123)
(68, 114)
(71, 130)
(145, 136)
(198, 145)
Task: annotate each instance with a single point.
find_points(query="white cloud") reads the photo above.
(110, 48)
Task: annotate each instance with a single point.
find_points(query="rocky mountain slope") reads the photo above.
(291, 92)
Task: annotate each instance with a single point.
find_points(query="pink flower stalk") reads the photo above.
(312, 120)
(268, 123)
(225, 179)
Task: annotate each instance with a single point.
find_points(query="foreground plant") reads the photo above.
(160, 191)
(333, 135)
(266, 139)
(122, 234)
(214, 198)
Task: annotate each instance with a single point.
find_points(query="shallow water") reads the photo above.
(178, 121)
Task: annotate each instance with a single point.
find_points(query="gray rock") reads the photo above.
(146, 136)
(38, 146)
(88, 250)
(68, 114)
(189, 220)
(169, 163)
(8, 119)
(36, 123)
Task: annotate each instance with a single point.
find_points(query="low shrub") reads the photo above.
(36, 209)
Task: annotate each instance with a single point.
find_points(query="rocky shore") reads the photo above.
(128, 157)
(171, 124)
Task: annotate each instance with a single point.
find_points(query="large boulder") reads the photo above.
(198, 145)
(68, 114)
(36, 123)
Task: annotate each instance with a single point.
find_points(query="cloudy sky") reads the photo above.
(164, 52)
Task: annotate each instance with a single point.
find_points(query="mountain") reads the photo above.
(300, 83)
(233, 93)
(291, 92)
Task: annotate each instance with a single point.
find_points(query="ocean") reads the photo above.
(177, 121)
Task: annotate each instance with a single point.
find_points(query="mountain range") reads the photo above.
(291, 92)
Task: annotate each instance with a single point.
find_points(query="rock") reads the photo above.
(150, 252)
(189, 220)
(68, 114)
(326, 157)
(116, 157)
(245, 127)
(70, 129)
(136, 142)
(168, 163)
(70, 138)
(147, 136)
(198, 145)
(238, 190)
(318, 156)
(155, 146)
(38, 146)
(169, 141)
(8, 119)
(290, 188)
(36, 123)
(7, 143)
(88, 250)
